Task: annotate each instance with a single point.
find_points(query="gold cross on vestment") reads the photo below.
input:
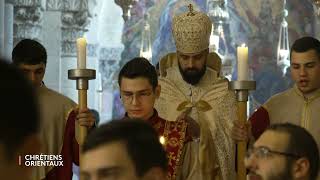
(190, 13)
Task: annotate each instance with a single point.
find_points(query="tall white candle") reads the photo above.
(243, 66)
(81, 53)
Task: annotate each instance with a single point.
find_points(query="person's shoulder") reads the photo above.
(167, 123)
(281, 96)
(222, 80)
(56, 96)
(160, 119)
(211, 72)
(279, 99)
(172, 70)
(219, 84)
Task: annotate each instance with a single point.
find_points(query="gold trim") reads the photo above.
(180, 142)
(201, 105)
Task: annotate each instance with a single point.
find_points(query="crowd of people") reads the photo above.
(180, 123)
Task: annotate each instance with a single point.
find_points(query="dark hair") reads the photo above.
(139, 67)
(29, 51)
(19, 114)
(305, 44)
(141, 140)
(300, 143)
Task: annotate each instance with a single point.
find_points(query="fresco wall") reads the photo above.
(257, 27)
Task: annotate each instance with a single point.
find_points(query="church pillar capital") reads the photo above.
(74, 19)
(27, 19)
(54, 5)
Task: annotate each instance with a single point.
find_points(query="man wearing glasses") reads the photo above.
(138, 82)
(283, 151)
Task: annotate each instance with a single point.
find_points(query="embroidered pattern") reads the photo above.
(174, 134)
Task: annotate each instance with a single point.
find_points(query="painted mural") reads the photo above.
(256, 23)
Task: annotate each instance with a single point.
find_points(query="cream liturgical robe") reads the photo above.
(54, 110)
(213, 107)
(291, 106)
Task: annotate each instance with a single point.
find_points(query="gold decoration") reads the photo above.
(191, 31)
(203, 106)
(200, 105)
(190, 10)
(183, 105)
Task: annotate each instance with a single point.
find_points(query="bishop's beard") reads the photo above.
(192, 75)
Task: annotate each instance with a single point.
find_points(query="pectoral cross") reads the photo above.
(190, 13)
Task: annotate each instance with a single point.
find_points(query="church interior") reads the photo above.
(118, 30)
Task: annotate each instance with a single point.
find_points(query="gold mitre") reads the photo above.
(191, 31)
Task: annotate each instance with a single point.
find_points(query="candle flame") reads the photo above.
(243, 45)
(83, 39)
(162, 140)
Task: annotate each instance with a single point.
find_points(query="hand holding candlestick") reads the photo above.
(82, 76)
(242, 87)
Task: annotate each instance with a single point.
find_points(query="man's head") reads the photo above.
(192, 66)
(124, 149)
(191, 32)
(284, 151)
(31, 57)
(19, 121)
(305, 64)
(138, 82)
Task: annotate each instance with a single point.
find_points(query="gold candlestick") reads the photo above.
(82, 77)
(242, 91)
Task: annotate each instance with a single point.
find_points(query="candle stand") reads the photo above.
(242, 91)
(82, 77)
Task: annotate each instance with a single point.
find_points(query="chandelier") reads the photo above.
(317, 6)
(145, 49)
(283, 49)
(126, 6)
(219, 15)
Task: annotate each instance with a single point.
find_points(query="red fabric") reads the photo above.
(175, 138)
(259, 122)
(69, 152)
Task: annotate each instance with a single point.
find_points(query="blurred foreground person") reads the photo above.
(283, 152)
(124, 150)
(19, 123)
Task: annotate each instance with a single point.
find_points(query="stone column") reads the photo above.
(108, 68)
(92, 63)
(52, 41)
(110, 35)
(27, 20)
(8, 29)
(2, 5)
(74, 19)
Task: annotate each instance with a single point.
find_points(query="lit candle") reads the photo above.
(243, 66)
(81, 53)
(162, 140)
